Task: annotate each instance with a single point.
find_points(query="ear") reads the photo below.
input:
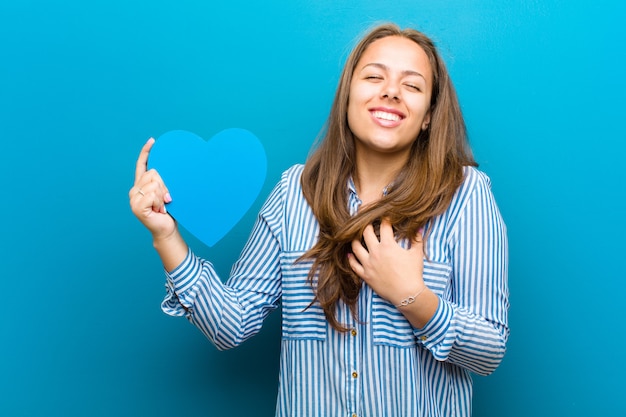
(426, 121)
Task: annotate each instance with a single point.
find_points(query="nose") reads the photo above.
(390, 91)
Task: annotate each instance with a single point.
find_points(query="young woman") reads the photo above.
(386, 250)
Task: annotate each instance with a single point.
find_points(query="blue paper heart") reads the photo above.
(213, 183)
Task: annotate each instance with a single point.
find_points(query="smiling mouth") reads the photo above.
(383, 115)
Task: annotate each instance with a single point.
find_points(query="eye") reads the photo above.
(373, 77)
(413, 87)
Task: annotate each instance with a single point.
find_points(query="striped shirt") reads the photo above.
(383, 366)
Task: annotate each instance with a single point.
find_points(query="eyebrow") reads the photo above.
(386, 68)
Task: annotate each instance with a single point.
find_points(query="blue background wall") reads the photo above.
(84, 84)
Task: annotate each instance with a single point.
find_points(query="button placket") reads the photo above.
(355, 360)
(353, 364)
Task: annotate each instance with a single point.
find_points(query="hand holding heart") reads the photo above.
(213, 182)
(148, 197)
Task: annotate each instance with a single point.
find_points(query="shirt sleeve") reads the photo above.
(230, 313)
(471, 329)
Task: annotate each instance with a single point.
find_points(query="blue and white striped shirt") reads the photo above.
(383, 366)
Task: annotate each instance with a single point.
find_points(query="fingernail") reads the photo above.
(168, 198)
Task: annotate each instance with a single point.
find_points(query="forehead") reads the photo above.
(398, 54)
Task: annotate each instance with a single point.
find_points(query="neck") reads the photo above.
(374, 173)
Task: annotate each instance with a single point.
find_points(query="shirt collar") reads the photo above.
(352, 188)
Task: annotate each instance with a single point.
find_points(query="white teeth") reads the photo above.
(386, 116)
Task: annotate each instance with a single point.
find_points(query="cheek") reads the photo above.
(362, 92)
(355, 104)
(352, 116)
(421, 109)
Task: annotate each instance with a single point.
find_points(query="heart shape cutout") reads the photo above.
(213, 183)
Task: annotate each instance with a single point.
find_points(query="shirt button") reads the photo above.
(353, 332)
(354, 415)
(355, 374)
(423, 338)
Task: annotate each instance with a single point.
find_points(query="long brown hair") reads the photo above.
(422, 190)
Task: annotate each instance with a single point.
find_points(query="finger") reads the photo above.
(359, 251)
(162, 188)
(386, 231)
(369, 236)
(356, 265)
(158, 205)
(151, 195)
(151, 181)
(156, 192)
(143, 186)
(136, 192)
(142, 161)
(150, 198)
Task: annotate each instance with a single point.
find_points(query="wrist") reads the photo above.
(422, 310)
(163, 241)
(165, 236)
(171, 248)
(411, 298)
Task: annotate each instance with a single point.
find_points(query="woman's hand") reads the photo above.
(148, 197)
(393, 272)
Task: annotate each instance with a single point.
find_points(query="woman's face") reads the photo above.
(390, 97)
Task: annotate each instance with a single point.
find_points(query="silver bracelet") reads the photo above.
(411, 300)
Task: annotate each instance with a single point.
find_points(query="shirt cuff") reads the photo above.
(182, 278)
(434, 332)
(180, 281)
